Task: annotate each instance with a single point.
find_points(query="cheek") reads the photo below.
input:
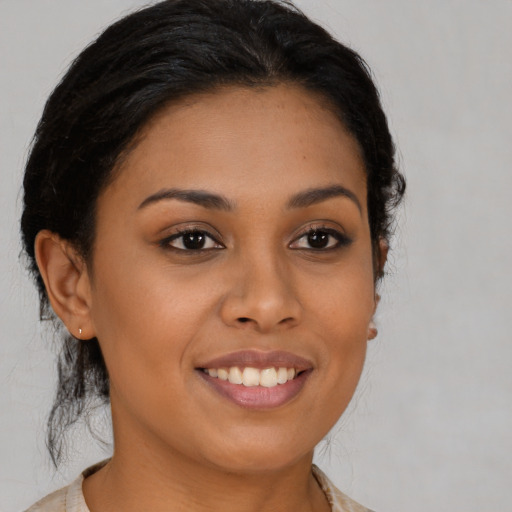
(147, 316)
(340, 314)
(344, 298)
(144, 326)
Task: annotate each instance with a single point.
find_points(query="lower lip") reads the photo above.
(258, 397)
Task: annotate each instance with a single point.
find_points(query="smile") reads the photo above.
(249, 376)
(254, 379)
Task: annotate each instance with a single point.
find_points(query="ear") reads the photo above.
(381, 256)
(372, 328)
(67, 282)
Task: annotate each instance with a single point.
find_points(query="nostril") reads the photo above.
(243, 320)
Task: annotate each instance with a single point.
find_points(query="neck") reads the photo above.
(145, 476)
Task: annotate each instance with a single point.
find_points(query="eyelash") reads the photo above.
(341, 240)
(181, 233)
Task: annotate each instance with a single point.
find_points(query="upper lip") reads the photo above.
(259, 359)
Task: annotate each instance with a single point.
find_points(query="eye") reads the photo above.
(192, 240)
(318, 239)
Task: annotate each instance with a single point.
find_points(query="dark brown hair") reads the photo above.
(159, 54)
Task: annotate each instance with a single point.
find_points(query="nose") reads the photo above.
(261, 296)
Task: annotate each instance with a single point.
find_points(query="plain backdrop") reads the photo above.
(431, 425)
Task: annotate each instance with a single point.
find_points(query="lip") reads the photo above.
(258, 397)
(259, 359)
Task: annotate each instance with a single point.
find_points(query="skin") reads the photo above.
(158, 311)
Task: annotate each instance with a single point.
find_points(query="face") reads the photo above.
(232, 282)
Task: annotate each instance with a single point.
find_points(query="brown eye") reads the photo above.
(318, 239)
(321, 239)
(194, 240)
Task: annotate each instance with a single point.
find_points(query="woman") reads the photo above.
(207, 209)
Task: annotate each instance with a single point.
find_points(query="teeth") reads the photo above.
(268, 377)
(282, 375)
(222, 373)
(235, 375)
(251, 377)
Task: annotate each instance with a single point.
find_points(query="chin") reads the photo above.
(260, 455)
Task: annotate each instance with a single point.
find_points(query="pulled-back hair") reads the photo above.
(161, 54)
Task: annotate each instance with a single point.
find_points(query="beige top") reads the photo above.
(71, 499)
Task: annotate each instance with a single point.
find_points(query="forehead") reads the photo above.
(241, 142)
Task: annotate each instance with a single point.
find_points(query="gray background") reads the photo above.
(430, 428)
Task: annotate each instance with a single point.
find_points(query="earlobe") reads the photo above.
(372, 330)
(66, 279)
(380, 262)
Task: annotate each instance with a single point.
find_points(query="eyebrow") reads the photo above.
(317, 195)
(199, 197)
(210, 200)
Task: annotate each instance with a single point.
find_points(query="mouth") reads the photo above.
(255, 379)
(250, 376)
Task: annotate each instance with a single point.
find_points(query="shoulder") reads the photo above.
(339, 502)
(54, 502)
(67, 499)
